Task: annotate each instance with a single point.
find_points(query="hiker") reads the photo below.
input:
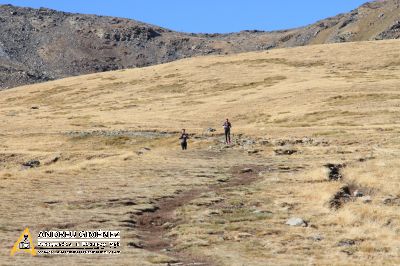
(184, 137)
(227, 127)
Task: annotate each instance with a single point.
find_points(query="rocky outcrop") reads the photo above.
(38, 45)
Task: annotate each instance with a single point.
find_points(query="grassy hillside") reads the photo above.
(109, 157)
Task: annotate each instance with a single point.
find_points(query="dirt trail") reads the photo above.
(153, 226)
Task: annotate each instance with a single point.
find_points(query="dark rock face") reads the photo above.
(38, 45)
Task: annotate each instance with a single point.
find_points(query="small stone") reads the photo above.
(35, 107)
(346, 243)
(136, 244)
(55, 159)
(317, 238)
(244, 235)
(246, 170)
(366, 199)
(223, 179)
(393, 201)
(32, 163)
(253, 151)
(168, 225)
(387, 200)
(146, 208)
(285, 151)
(358, 193)
(213, 212)
(296, 222)
(261, 212)
(210, 130)
(143, 150)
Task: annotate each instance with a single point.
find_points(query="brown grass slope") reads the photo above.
(336, 103)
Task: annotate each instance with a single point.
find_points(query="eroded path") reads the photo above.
(211, 205)
(243, 164)
(154, 226)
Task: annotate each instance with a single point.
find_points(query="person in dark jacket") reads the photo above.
(184, 137)
(227, 128)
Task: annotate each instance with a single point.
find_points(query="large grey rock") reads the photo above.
(296, 222)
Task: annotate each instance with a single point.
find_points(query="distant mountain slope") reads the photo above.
(42, 44)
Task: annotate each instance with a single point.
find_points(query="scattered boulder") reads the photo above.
(302, 141)
(316, 238)
(32, 163)
(168, 225)
(143, 150)
(364, 159)
(136, 244)
(357, 193)
(366, 199)
(264, 142)
(285, 151)
(334, 171)
(35, 107)
(55, 159)
(146, 208)
(253, 151)
(391, 200)
(213, 212)
(296, 222)
(262, 212)
(246, 170)
(340, 197)
(346, 243)
(387, 200)
(244, 235)
(223, 179)
(244, 141)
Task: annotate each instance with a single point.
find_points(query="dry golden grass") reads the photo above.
(344, 96)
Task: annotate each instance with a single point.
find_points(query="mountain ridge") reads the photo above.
(38, 45)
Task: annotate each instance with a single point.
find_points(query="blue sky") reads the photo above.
(207, 15)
